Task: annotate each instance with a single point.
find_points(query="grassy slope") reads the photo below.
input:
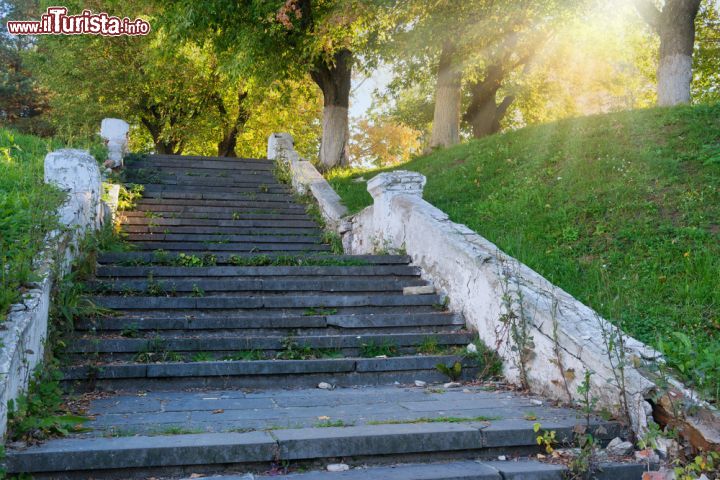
(621, 210)
(27, 205)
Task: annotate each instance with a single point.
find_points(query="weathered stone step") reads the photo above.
(248, 190)
(269, 321)
(222, 230)
(218, 214)
(163, 175)
(224, 259)
(254, 271)
(195, 159)
(207, 222)
(180, 194)
(323, 301)
(229, 204)
(521, 469)
(226, 343)
(344, 372)
(217, 237)
(232, 246)
(254, 184)
(241, 206)
(148, 172)
(202, 164)
(272, 284)
(94, 455)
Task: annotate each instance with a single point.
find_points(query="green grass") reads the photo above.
(27, 211)
(620, 210)
(27, 207)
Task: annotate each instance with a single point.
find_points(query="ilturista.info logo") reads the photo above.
(56, 21)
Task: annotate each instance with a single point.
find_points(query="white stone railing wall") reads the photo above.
(306, 178)
(484, 284)
(24, 333)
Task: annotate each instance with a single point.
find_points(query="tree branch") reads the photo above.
(649, 12)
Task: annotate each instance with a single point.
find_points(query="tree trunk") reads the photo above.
(675, 25)
(483, 113)
(446, 119)
(334, 81)
(232, 128)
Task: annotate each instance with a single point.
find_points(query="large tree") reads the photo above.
(470, 48)
(675, 25)
(281, 39)
(22, 100)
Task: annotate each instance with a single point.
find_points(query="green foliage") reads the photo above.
(293, 261)
(488, 361)
(373, 349)
(129, 194)
(40, 413)
(546, 439)
(453, 372)
(704, 464)
(636, 188)
(27, 211)
(698, 363)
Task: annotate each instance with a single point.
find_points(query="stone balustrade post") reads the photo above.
(115, 133)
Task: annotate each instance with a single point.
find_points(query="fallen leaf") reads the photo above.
(323, 417)
(219, 410)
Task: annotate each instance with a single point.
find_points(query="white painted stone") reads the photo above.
(420, 383)
(77, 173)
(471, 348)
(306, 178)
(420, 290)
(115, 133)
(536, 402)
(325, 386)
(338, 467)
(452, 385)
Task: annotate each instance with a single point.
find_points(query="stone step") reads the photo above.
(258, 374)
(151, 173)
(219, 213)
(209, 223)
(399, 269)
(232, 247)
(247, 190)
(223, 179)
(192, 342)
(132, 258)
(321, 301)
(180, 194)
(266, 320)
(163, 287)
(217, 237)
(197, 159)
(233, 449)
(228, 204)
(221, 230)
(516, 469)
(202, 164)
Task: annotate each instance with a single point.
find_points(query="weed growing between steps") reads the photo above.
(42, 412)
(329, 236)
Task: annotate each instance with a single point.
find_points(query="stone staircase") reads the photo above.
(229, 311)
